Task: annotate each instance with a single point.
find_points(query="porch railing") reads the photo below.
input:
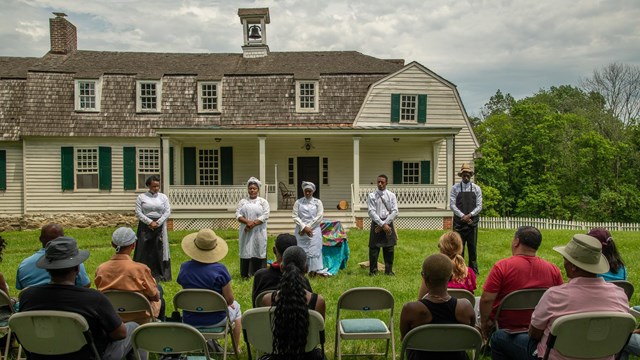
(222, 197)
(409, 196)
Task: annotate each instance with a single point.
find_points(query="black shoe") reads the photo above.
(390, 273)
(373, 273)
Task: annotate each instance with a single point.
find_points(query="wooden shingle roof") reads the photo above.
(16, 67)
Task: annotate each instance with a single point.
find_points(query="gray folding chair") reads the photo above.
(626, 286)
(525, 299)
(590, 335)
(131, 306)
(442, 337)
(463, 294)
(169, 338)
(5, 301)
(48, 332)
(261, 296)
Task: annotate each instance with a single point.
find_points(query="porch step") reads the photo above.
(281, 221)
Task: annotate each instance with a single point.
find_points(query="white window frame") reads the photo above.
(141, 167)
(158, 96)
(404, 109)
(417, 175)
(80, 169)
(218, 97)
(216, 171)
(97, 94)
(316, 96)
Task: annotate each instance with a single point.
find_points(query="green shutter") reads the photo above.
(129, 168)
(422, 109)
(226, 165)
(104, 168)
(395, 108)
(3, 170)
(425, 172)
(66, 167)
(171, 166)
(189, 164)
(397, 172)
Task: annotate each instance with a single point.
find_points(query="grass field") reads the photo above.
(413, 247)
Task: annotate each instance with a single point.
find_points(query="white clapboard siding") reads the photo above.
(444, 108)
(42, 171)
(11, 199)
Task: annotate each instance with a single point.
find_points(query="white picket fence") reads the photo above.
(550, 224)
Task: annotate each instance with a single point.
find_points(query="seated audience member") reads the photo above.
(617, 271)
(436, 307)
(584, 292)
(122, 273)
(3, 283)
(269, 278)
(204, 271)
(62, 260)
(450, 244)
(292, 304)
(29, 274)
(632, 347)
(523, 270)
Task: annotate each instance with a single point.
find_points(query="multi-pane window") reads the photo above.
(87, 96)
(148, 164)
(411, 172)
(149, 96)
(290, 171)
(208, 167)
(408, 107)
(208, 97)
(307, 96)
(325, 171)
(86, 168)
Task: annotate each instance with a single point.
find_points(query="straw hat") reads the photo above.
(205, 246)
(465, 169)
(585, 252)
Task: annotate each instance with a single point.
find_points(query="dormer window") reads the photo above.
(87, 95)
(149, 96)
(209, 97)
(306, 96)
(409, 108)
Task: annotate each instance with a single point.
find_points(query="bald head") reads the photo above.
(50, 232)
(436, 270)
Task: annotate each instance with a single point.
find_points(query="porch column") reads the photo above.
(450, 169)
(166, 146)
(178, 175)
(356, 169)
(263, 166)
(436, 161)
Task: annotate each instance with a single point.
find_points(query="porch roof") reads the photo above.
(315, 130)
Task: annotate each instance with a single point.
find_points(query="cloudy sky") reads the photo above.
(479, 45)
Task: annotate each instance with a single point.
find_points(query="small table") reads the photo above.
(335, 247)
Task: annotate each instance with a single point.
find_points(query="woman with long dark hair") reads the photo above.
(292, 304)
(617, 271)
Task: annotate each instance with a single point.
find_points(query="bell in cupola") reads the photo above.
(254, 32)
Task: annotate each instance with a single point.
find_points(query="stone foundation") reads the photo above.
(67, 220)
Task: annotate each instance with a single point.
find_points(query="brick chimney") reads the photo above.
(64, 36)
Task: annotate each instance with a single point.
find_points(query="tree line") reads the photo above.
(568, 152)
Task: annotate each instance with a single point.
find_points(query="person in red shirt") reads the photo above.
(523, 270)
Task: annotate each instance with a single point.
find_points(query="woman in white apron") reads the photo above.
(252, 213)
(307, 214)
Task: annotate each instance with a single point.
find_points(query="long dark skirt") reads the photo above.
(149, 252)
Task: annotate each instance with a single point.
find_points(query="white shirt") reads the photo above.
(150, 205)
(459, 187)
(377, 208)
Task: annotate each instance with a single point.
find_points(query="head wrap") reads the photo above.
(308, 185)
(254, 180)
(123, 236)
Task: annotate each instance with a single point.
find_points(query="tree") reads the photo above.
(619, 84)
(498, 104)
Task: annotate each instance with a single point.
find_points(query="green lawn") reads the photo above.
(413, 247)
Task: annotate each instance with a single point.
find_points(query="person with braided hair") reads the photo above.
(292, 304)
(463, 277)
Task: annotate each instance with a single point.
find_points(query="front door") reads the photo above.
(308, 170)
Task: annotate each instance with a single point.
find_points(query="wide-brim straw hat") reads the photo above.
(465, 169)
(585, 252)
(205, 246)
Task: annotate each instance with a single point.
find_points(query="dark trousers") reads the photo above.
(387, 254)
(161, 316)
(248, 267)
(470, 239)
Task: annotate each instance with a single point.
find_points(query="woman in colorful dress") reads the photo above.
(252, 213)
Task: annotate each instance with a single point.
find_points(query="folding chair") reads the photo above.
(48, 332)
(365, 299)
(626, 286)
(5, 301)
(442, 337)
(590, 335)
(204, 301)
(463, 294)
(256, 330)
(261, 296)
(525, 299)
(131, 306)
(169, 338)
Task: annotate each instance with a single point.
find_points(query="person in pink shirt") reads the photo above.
(584, 292)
